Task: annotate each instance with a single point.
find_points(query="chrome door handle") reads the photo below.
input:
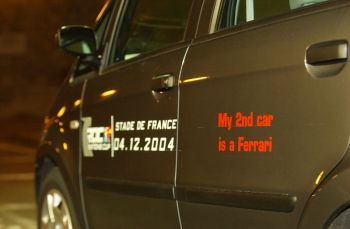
(163, 82)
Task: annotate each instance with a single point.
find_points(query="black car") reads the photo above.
(201, 114)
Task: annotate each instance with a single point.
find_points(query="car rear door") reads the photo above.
(130, 118)
(264, 112)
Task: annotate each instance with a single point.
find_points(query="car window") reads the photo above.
(100, 28)
(236, 12)
(102, 21)
(149, 25)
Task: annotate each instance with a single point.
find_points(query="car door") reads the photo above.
(130, 119)
(64, 117)
(264, 111)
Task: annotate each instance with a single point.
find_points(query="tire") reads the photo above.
(56, 209)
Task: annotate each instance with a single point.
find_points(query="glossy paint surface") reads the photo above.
(254, 71)
(260, 137)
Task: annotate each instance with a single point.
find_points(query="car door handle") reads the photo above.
(163, 82)
(325, 53)
(326, 58)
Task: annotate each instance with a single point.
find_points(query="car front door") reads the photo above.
(66, 114)
(263, 110)
(130, 119)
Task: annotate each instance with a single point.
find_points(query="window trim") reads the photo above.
(144, 57)
(213, 22)
(215, 16)
(73, 77)
(114, 30)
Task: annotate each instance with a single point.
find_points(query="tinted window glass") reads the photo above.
(149, 25)
(101, 26)
(102, 21)
(235, 12)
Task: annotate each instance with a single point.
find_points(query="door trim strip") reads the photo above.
(236, 198)
(213, 196)
(161, 191)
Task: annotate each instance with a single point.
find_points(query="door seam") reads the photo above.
(177, 134)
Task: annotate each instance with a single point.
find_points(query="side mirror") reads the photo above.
(77, 40)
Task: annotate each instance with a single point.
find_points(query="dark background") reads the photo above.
(32, 70)
(32, 67)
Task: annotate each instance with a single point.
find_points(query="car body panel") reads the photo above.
(59, 144)
(330, 198)
(132, 100)
(260, 69)
(298, 180)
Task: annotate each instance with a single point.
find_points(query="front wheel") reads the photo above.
(55, 206)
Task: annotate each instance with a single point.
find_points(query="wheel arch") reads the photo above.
(330, 199)
(47, 160)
